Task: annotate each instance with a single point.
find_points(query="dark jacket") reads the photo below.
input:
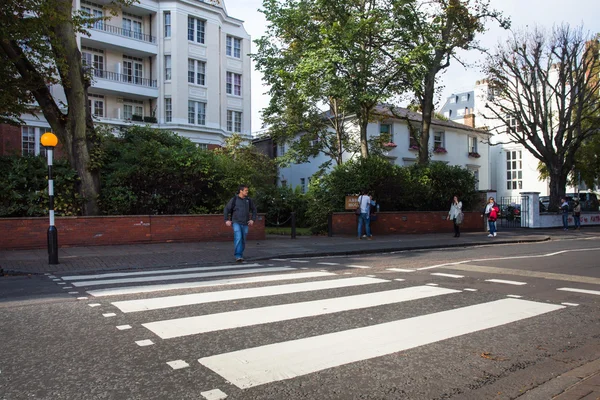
(240, 210)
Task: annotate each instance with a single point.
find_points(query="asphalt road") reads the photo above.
(465, 323)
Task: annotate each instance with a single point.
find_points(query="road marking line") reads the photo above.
(585, 291)
(94, 305)
(506, 282)
(157, 303)
(172, 328)
(123, 327)
(73, 292)
(514, 296)
(56, 280)
(431, 284)
(400, 270)
(178, 364)
(469, 290)
(112, 314)
(279, 361)
(61, 283)
(328, 263)
(298, 261)
(180, 276)
(68, 287)
(82, 298)
(155, 272)
(214, 394)
(570, 304)
(219, 282)
(143, 343)
(447, 275)
(356, 266)
(400, 280)
(278, 259)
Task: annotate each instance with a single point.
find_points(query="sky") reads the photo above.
(523, 14)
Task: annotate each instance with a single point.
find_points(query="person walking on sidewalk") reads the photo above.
(456, 215)
(491, 211)
(364, 203)
(564, 207)
(577, 214)
(243, 214)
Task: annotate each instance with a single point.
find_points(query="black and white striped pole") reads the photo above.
(49, 141)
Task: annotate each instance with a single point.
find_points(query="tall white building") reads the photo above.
(177, 65)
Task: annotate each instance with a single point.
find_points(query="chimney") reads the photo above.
(469, 119)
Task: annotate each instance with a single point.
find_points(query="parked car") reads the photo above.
(588, 200)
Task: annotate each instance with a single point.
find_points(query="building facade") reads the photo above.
(450, 142)
(177, 65)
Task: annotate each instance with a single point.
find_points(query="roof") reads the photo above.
(405, 113)
(456, 102)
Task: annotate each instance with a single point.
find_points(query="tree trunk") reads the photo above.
(78, 125)
(558, 183)
(364, 144)
(426, 113)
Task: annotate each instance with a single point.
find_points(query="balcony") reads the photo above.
(106, 81)
(113, 37)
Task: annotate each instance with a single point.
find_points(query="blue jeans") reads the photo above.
(565, 220)
(239, 238)
(577, 219)
(364, 220)
(492, 225)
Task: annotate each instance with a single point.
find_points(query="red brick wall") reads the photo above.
(31, 233)
(10, 140)
(389, 223)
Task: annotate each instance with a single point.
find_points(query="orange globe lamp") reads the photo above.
(49, 139)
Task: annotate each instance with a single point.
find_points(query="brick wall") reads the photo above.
(31, 233)
(10, 140)
(389, 223)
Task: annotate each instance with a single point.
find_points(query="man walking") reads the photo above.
(239, 207)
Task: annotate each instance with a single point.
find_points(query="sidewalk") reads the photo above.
(102, 258)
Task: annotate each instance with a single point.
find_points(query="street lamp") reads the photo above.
(49, 141)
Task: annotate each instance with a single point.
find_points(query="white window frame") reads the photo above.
(29, 140)
(234, 121)
(303, 185)
(96, 102)
(390, 131)
(168, 109)
(439, 143)
(233, 47)
(514, 170)
(472, 144)
(94, 11)
(196, 72)
(135, 106)
(196, 30)
(196, 112)
(167, 23)
(168, 68)
(232, 87)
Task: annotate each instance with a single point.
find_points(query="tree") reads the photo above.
(353, 54)
(443, 27)
(546, 97)
(38, 49)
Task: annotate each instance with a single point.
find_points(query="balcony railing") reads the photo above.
(131, 79)
(113, 30)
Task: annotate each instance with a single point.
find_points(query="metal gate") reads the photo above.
(514, 212)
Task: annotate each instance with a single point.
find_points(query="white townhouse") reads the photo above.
(180, 65)
(450, 142)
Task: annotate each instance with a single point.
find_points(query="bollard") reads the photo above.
(293, 225)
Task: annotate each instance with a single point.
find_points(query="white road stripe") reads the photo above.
(157, 303)
(356, 266)
(179, 276)
(570, 304)
(123, 327)
(146, 342)
(585, 291)
(219, 282)
(215, 394)
(400, 270)
(447, 275)
(469, 290)
(275, 362)
(328, 263)
(514, 296)
(155, 272)
(179, 327)
(298, 261)
(516, 283)
(178, 364)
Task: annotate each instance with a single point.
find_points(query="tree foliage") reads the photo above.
(546, 98)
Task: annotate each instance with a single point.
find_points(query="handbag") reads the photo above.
(459, 218)
(357, 211)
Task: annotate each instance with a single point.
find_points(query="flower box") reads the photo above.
(440, 150)
(414, 148)
(474, 154)
(390, 145)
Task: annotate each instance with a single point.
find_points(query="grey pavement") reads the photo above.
(580, 383)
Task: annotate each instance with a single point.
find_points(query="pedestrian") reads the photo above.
(577, 214)
(243, 214)
(491, 212)
(564, 207)
(456, 215)
(365, 201)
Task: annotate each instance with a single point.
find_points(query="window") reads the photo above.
(464, 97)
(133, 107)
(96, 104)
(234, 121)
(303, 185)
(132, 26)
(28, 140)
(438, 140)
(281, 150)
(94, 59)
(414, 143)
(196, 72)
(283, 183)
(234, 47)
(132, 70)
(93, 11)
(513, 125)
(167, 68)
(202, 146)
(234, 84)
(472, 144)
(168, 24)
(452, 99)
(168, 110)
(460, 112)
(196, 113)
(386, 131)
(475, 173)
(196, 30)
(514, 170)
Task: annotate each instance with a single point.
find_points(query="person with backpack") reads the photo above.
(365, 201)
(243, 214)
(492, 210)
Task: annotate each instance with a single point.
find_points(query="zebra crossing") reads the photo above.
(323, 294)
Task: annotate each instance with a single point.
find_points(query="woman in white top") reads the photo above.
(453, 214)
(364, 202)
